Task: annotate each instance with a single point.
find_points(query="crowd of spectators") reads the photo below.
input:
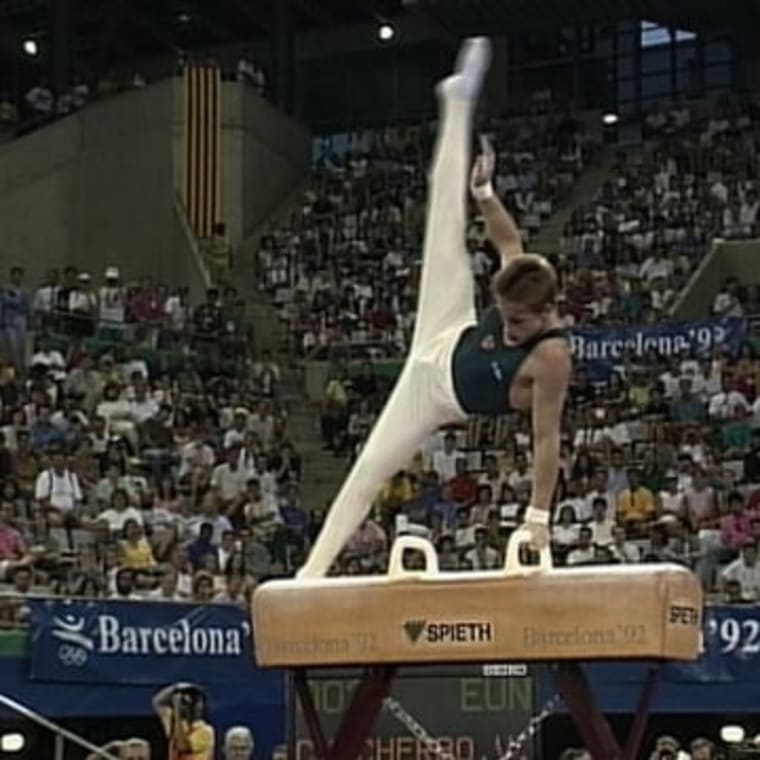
(344, 267)
(41, 104)
(654, 219)
(137, 459)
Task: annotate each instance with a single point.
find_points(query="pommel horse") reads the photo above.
(524, 613)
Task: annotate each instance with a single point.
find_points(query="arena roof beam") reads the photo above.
(259, 20)
(312, 10)
(12, 8)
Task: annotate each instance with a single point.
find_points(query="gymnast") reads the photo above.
(517, 357)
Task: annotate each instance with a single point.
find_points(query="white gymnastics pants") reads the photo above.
(423, 398)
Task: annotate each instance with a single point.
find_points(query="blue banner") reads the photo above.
(608, 345)
(139, 643)
(731, 653)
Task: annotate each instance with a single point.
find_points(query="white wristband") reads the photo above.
(482, 192)
(540, 516)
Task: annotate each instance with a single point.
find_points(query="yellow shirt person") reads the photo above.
(635, 504)
(180, 708)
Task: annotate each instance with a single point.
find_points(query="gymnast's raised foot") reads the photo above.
(472, 65)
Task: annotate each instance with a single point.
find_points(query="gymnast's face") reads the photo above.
(522, 323)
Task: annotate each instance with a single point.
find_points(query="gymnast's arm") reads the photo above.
(502, 230)
(550, 382)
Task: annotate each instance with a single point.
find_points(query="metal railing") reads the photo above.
(62, 735)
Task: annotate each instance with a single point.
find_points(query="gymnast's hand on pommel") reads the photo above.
(537, 526)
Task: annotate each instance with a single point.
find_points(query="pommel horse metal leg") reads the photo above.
(592, 726)
(357, 722)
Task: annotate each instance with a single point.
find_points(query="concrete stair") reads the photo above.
(322, 472)
(547, 240)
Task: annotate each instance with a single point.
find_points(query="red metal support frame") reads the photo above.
(367, 702)
(636, 735)
(310, 715)
(358, 720)
(591, 724)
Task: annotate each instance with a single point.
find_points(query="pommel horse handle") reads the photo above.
(396, 560)
(512, 564)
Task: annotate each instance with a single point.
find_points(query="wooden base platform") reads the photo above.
(522, 614)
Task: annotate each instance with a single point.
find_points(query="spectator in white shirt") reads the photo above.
(597, 491)
(584, 552)
(113, 300)
(522, 475)
(622, 550)
(229, 479)
(725, 405)
(41, 101)
(748, 213)
(117, 413)
(210, 514)
(195, 455)
(482, 556)
(746, 571)
(119, 512)
(492, 476)
(566, 531)
(46, 295)
(168, 590)
(445, 460)
(576, 503)
(237, 433)
(57, 490)
(601, 525)
(142, 407)
(656, 266)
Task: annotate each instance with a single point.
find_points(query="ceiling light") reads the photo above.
(386, 32)
(12, 742)
(732, 734)
(31, 48)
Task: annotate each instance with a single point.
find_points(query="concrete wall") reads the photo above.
(99, 187)
(93, 189)
(265, 155)
(740, 259)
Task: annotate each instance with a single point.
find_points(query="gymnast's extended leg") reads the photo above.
(417, 406)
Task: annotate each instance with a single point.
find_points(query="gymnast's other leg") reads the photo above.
(418, 406)
(447, 287)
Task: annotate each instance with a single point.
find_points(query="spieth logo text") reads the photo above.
(107, 635)
(681, 614)
(448, 632)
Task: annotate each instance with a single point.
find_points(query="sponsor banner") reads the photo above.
(731, 651)
(138, 643)
(609, 345)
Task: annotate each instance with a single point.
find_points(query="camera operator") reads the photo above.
(181, 708)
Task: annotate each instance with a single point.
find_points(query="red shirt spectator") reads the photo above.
(12, 544)
(464, 488)
(145, 307)
(736, 528)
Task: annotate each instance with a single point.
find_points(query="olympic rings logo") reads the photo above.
(71, 656)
